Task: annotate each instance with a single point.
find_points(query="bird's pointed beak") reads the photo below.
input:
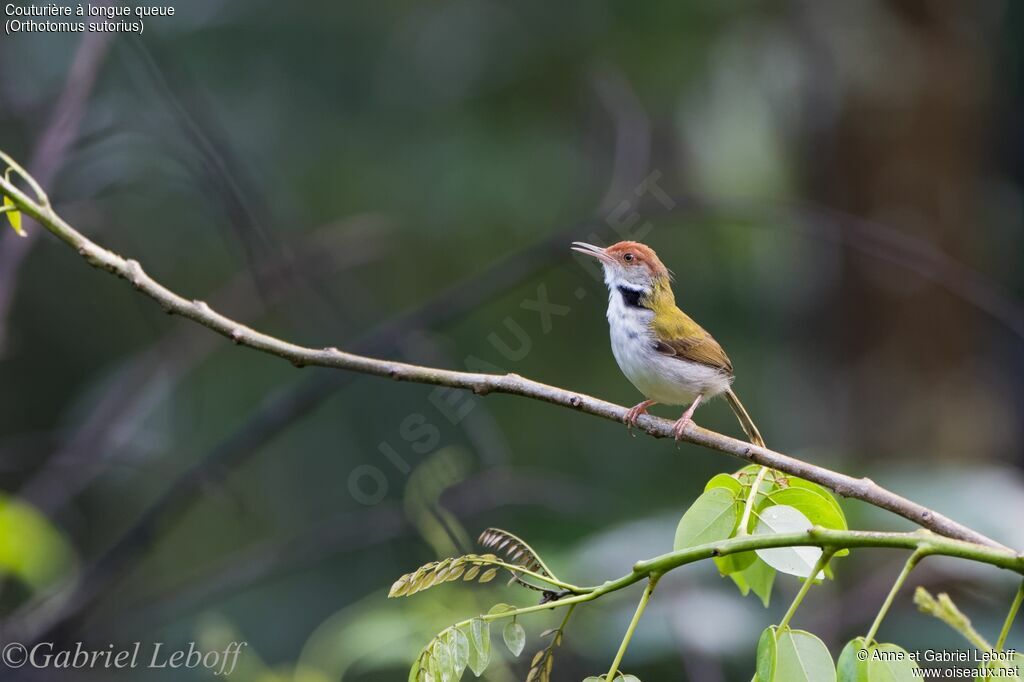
(591, 250)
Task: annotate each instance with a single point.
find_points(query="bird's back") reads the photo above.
(680, 336)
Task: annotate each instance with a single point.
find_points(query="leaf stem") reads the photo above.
(1014, 607)
(646, 597)
(568, 612)
(819, 566)
(749, 506)
(537, 576)
(918, 554)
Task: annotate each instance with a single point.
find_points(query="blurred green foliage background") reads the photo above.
(846, 217)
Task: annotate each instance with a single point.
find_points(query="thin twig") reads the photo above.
(819, 566)
(481, 384)
(907, 568)
(644, 599)
(1010, 617)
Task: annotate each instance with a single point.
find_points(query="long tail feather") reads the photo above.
(753, 435)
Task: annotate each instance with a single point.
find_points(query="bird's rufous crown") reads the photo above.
(637, 254)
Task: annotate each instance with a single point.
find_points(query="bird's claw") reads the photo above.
(679, 428)
(630, 420)
(632, 415)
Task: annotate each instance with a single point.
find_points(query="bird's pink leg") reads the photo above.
(681, 423)
(634, 413)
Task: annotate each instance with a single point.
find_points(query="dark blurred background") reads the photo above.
(837, 187)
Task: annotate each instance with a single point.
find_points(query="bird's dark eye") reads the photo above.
(628, 257)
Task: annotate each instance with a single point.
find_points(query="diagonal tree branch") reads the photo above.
(198, 311)
(51, 150)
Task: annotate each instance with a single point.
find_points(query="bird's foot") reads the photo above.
(634, 413)
(680, 426)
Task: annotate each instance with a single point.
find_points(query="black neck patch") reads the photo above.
(631, 297)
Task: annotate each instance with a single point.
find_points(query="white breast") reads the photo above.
(659, 377)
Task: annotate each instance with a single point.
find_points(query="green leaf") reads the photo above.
(515, 637)
(711, 517)
(14, 217)
(813, 505)
(499, 608)
(480, 645)
(758, 577)
(890, 663)
(820, 508)
(802, 657)
(1015, 664)
(767, 655)
(445, 663)
(795, 482)
(628, 678)
(748, 474)
(850, 668)
(31, 547)
(434, 668)
(798, 561)
(460, 651)
(724, 481)
(734, 563)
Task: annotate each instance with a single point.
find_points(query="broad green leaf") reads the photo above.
(479, 645)
(592, 678)
(820, 508)
(515, 637)
(890, 663)
(741, 581)
(500, 608)
(711, 517)
(850, 668)
(748, 474)
(434, 670)
(31, 548)
(628, 678)
(724, 481)
(813, 505)
(758, 577)
(767, 655)
(734, 563)
(798, 561)
(14, 217)
(445, 660)
(795, 482)
(460, 651)
(802, 657)
(479, 633)
(1006, 669)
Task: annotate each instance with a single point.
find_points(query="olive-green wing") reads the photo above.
(679, 336)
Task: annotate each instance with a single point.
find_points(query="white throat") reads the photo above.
(662, 378)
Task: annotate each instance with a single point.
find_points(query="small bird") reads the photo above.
(668, 357)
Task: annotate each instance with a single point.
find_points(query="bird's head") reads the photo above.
(631, 264)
